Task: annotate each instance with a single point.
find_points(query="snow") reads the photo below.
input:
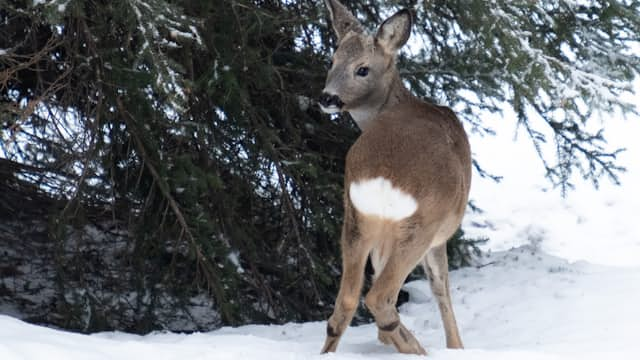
(594, 82)
(595, 225)
(62, 5)
(521, 304)
(234, 257)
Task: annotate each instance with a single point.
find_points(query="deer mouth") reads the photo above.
(330, 104)
(333, 109)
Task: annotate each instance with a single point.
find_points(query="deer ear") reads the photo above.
(394, 32)
(342, 20)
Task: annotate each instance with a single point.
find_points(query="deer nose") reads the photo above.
(327, 100)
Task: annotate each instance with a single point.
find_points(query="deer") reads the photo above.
(406, 181)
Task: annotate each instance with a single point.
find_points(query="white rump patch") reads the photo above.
(378, 197)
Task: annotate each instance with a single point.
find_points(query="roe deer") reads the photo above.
(406, 184)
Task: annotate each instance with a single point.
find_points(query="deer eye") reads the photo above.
(362, 71)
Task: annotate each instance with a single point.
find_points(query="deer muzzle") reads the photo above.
(330, 103)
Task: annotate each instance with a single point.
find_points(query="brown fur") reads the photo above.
(423, 150)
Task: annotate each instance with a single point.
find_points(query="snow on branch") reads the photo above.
(563, 64)
(163, 27)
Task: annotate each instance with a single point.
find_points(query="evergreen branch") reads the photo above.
(203, 262)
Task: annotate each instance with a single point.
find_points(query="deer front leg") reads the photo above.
(354, 259)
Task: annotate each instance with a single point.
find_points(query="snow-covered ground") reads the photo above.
(561, 280)
(522, 304)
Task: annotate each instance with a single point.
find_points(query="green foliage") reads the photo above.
(463, 251)
(191, 126)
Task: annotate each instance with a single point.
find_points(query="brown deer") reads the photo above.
(406, 184)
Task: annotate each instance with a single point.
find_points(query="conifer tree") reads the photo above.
(189, 130)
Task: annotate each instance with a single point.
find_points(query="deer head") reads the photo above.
(363, 74)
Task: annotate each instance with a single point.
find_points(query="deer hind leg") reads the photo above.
(354, 259)
(437, 268)
(381, 301)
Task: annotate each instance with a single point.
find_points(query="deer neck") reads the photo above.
(366, 114)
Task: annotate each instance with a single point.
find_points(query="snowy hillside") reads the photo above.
(521, 304)
(596, 225)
